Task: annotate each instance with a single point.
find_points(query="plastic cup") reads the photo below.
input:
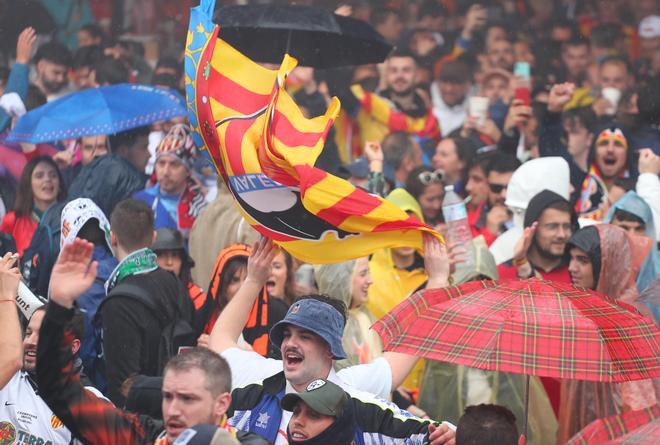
(612, 95)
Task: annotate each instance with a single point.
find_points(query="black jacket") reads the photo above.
(131, 331)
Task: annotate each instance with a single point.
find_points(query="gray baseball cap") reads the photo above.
(321, 395)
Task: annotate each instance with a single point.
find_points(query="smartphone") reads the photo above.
(522, 70)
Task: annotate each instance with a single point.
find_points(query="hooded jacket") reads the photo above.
(527, 181)
(632, 203)
(617, 258)
(265, 312)
(391, 284)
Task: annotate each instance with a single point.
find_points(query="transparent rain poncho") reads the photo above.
(360, 343)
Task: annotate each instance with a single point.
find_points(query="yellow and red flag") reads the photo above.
(265, 150)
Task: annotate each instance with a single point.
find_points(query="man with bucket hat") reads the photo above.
(309, 338)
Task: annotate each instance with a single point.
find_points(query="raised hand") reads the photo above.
(522, 245)
(73, 273)
(649, 162)
(9, 277)
(26, 41)
(259, 263)
(436, 262)
(560, 95)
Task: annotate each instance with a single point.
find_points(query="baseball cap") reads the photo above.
(205, 434)
(649, 27)
(321, 395)
(317, 317)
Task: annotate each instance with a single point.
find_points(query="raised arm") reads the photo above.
(89, 418)
(232, 319)
(11, 345)
(437, 264)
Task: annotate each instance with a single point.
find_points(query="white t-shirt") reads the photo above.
(25, 417)
(371, 381)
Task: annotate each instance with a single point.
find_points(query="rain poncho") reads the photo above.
(632, 203)
(391, 284)
(447, 389)
(617, 258)
(360, 343)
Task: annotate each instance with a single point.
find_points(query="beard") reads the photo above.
(52, 86)
(545, 253)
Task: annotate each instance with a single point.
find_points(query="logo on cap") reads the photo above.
(295, 308)
(316, 384)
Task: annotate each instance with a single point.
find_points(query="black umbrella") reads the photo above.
(315, 37)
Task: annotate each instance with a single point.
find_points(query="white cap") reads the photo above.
(649, 27)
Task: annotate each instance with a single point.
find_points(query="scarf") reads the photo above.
(139, 262)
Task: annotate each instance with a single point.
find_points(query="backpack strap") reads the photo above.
(129, 290)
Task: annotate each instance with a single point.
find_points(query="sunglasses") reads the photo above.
(497, 188)
(427, 178)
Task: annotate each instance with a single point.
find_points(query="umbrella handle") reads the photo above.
(288, 42)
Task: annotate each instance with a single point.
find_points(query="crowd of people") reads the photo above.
(167, 319)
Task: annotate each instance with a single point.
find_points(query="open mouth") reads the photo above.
(174, 428)
(609, 161)
(292, 359)
(297, 435)
(31, 354)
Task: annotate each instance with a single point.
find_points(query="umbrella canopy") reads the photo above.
(315, 37)
(103, 110)
(634, 427)
(530, 327)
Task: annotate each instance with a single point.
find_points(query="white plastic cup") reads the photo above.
(613, 96)
(478, 108)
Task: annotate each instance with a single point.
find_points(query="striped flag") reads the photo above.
(265, 149)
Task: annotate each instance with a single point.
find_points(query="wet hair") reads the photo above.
(562, 206)
(24, 197)
(396, 146)
(127, 138)
(54, 52)
(87, 56)
(623, 215)
(216, 368)
(503, 163)
(414, 185)
(487, 425)
(132, 222)
(401, 52)
(76, 325)
(336, 303)
(110, 71)
(583, 116)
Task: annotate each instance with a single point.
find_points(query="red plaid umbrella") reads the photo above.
(528, 327)
(634, 427)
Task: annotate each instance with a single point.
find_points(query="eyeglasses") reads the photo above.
(427, 178)
(497, 188)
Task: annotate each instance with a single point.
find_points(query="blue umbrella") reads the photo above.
(103, 110)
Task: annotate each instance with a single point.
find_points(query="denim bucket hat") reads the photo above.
(317, 317)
